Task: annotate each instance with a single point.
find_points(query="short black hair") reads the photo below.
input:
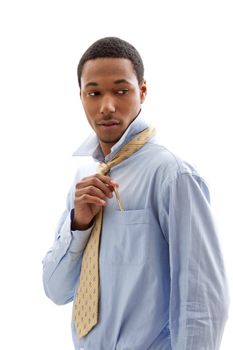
(112, 47)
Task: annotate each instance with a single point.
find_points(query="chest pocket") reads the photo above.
(127, 236)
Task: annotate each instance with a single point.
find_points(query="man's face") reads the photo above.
(111, 97)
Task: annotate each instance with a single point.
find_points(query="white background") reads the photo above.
(187, 51)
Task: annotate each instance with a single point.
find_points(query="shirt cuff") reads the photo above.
(79, 238)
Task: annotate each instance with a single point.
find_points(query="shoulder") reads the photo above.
(174, 178)
(167, 165)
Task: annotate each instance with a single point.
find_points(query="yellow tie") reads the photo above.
(86, 300)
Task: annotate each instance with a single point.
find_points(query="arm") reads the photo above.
(198, 297)
(62, 263)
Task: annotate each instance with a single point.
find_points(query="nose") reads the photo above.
(107, 105)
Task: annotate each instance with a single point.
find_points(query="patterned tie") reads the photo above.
(86, 300)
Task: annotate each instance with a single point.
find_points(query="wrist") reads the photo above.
(76, 225)
(80, 227)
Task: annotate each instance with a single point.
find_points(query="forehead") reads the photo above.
(108, 68)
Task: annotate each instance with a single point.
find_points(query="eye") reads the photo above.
(122, 92)
(93, 93)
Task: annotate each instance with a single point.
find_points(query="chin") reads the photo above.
(109, 136)
(110, 139)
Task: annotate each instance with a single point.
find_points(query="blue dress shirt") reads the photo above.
(162, 279)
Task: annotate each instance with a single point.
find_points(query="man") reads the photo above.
(136, 249)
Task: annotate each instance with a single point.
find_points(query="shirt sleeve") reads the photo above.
(62, 263)
(198, 294)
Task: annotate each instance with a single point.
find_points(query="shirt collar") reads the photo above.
(91, 147)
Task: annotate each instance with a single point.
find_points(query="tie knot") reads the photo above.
(103, 168)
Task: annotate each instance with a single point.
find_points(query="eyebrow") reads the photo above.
(91, 83)
(120, 81)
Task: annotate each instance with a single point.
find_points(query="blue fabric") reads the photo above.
(162, 279)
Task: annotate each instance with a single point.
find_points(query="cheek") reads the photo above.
(88, 119)
(135, 99)
(89, 108)
(88, 113)
(134, 103)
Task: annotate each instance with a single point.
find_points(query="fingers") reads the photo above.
(97, 185)
(94, 190)
(89, 199)
(104, 178)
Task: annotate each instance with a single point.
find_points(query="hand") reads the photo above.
(90, 195)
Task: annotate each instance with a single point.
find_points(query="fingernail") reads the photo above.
(115, 183)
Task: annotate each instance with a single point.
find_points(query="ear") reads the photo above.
(143, 91)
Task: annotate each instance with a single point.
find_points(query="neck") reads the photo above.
(106, 147)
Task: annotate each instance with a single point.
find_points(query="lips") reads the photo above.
(108, 123)
(109, 127)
